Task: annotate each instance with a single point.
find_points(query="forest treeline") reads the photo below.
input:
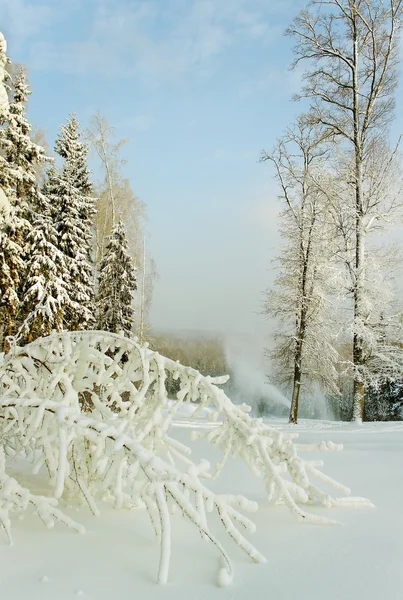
(72, 249)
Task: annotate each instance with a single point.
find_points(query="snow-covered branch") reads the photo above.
(92, 408)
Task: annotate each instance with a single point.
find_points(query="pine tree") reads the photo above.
(21, 155)
(11, 266)
(18, 162)
(71, 195)
(3, 76)
(45, 296)
(10, 251)
(117, 284)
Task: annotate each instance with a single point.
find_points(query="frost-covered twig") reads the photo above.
(16, 498)
(93, 408)
(126, 471)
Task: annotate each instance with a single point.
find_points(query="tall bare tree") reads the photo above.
(351, 47)
(101, 136)
(303, 353)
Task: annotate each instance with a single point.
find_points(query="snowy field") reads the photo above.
(117, 558)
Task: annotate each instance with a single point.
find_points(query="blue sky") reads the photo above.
(199, 87)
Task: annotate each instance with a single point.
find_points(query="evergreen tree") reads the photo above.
(71, 195)
(18, 159)
(21, 155)
(45, 296)
(117, 284)
(30, 265)
(385, 401)
(3, 76)
(11, 266)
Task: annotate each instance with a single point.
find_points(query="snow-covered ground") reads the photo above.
(117, 558)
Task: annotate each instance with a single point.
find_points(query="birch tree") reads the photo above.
(101, 138)
(304, 353)
(351, 51)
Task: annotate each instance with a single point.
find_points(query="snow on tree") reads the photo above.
(21, 154)
(92, 409)
(18, 162)
(116, 197)
(117, 284)
(10, 251)
(352, 52)
(385, 401)
(380, 327)
(70, 192)
(12, 265)
(44, 297)
(304, 353)
(4, 106)
(11, 226)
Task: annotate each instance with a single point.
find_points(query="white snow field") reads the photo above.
(117, 558)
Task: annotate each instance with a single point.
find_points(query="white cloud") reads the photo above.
(27, 19)
(157, 40)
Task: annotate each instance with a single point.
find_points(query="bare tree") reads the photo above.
(101, 136)
(304, 350)
(352, 50)
(148, 276)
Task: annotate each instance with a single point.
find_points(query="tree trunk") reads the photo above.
(358, 358)
(297, 374)
(295, 395)
(359, 316)
(359, 397)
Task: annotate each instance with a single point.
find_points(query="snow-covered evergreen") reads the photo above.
(12, 265)
(4, 105)
(18, 160)
(8, 248)
(71, 195)
(11, 251)
(44, 294)
(117, 284)
(20, 154)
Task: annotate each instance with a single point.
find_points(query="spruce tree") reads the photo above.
(3, 76)
(18, 159)
(10, 251)
(20, 154)
(117, 284)
(45, 297)
(71, 194)
(12, 265)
